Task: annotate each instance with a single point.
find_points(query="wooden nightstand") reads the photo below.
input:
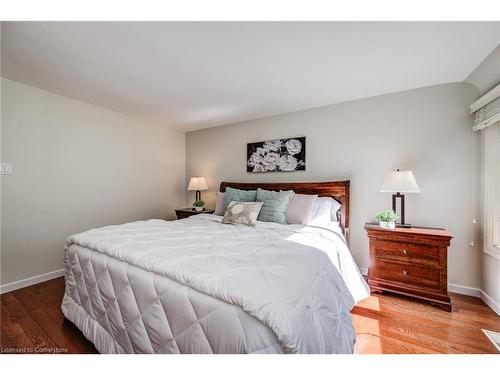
(410, 261)
(183, 213)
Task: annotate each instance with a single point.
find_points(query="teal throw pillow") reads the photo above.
(275, 205)
(237, 195)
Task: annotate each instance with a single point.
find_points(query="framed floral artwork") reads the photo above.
(277, 155)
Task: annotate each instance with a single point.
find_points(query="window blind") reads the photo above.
(486, 110)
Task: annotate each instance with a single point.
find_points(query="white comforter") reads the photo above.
(271, 288)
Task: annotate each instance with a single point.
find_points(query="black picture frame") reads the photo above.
(277, 155)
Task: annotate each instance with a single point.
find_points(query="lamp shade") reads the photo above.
(197, 183)
(399, 182)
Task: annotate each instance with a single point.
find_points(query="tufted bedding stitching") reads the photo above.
(197, 286)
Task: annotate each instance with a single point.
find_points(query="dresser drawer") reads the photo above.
(407, 273)
(407, 252)
(410, 261)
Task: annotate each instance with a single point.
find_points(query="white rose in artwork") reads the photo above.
(260, 168)
(293, 146)
(271, 157)
(260, 151)
(271, 167)
(287, 163)
(255, 159)
(273, 145)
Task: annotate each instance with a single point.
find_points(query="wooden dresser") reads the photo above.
(410, 261)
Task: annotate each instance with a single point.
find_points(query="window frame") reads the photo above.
(491, 190)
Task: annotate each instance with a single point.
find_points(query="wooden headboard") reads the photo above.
(338, 190)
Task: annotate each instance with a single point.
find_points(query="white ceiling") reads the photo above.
(194, 75)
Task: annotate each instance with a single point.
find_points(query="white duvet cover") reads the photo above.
(199, 286)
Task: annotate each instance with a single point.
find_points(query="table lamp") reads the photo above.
(197, 183)
(400, 182)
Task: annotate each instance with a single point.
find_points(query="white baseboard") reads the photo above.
(490, 302)
(31, 281)
(364, 271)
(466, 290)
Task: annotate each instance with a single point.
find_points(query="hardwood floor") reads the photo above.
(395, 324)
(32, 322)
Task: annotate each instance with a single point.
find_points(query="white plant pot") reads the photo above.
(198, 209)
(387, 224)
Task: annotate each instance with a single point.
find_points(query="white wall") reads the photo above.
(77, 166)
(487, 74)
(485, 77)
(427, 130)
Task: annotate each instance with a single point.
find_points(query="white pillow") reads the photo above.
(219, 204)
(300, 208)
(324, 211)
(335, 208)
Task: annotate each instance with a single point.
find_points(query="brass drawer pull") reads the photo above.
(405, 251)
(405, 272)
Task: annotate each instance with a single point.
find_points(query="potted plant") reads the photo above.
(198, 206)
(387, 219)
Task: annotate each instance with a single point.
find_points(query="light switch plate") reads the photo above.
(5, 168)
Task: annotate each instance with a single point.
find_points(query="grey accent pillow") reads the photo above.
(219, 204)
(238, 195)
(245, 213)
(275, 205)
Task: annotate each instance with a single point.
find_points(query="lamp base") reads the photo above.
(402, 197)
(403, 225)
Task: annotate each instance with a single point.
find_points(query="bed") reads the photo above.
(199, 286)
